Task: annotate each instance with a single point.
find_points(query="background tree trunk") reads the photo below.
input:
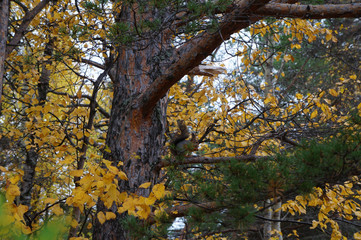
(4, 19)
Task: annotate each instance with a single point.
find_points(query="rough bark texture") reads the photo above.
(28, 178)
(4, 19)
(133, 138)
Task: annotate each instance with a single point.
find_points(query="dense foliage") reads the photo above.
(180, 120)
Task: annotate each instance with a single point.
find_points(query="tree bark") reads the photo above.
(4, 21)
(352, 10)
(135, 139)
(32, 154)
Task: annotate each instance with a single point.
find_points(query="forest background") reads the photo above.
(234, 119)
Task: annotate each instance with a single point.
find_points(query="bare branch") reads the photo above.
(311, 11)
(93, 63)
(211, 160)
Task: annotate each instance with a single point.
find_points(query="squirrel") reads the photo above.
(180, 146)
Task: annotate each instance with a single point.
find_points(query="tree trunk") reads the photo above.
(134, 138)
(32, 154)
(4, 20)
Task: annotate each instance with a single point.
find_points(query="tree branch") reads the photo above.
(20, 32)
(210, 160)
(243, 15)
(352, 10)
(194, 51)
(93, 63)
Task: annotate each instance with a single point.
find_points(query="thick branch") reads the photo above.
(193, 52)
(352, 10)
(211, 160)
(243, 15)
(20, 32)
(93, 63)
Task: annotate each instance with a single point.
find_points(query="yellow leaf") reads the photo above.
(357, 236)
(3, 169)
(353, 77)
(299, 96)
(89, 226)
(333, 92)
(145, 185)
(151, 199)
(110, 215)
(20, 211)
(11, 192)
(289, 57)
(314, 114)
(76, 173)
(348, 184)
(122, 175)
(101, 217)
(328, 37)
(26, 230)
(68, 159)
(50, 200)
(57, 210)
(143, 211)
(74, 223)
(14, 179)
(359, 106)
(314, 224)
(159, 191)
(79, 135)
(78, 94)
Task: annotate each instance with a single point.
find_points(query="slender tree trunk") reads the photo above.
(277, 216)
(32, 154)
(270, 81)
(271, 229)
(4, 21)
(267, 227)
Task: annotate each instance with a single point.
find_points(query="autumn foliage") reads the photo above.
(93, 93)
